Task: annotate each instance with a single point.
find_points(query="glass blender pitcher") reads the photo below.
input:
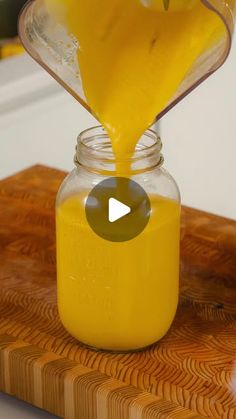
(48, 40)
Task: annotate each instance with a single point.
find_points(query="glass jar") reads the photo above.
(112, 295)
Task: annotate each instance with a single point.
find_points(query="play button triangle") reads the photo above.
(117, 210)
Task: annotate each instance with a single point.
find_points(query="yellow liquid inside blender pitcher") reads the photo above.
(118, 296)
(132, 59)
(133, 56)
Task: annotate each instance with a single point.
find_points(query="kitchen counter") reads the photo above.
(11, 408)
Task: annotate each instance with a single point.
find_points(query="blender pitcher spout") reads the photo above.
(49, 41)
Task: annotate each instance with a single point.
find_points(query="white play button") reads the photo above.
(117, 210)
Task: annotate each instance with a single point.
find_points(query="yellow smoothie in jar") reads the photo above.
(132, 55)
(118, 296)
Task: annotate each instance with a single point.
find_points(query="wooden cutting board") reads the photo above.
(191, 373)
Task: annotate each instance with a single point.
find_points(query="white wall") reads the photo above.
(199, 137)
(39, 122)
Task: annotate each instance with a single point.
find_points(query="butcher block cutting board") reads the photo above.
(190, 373)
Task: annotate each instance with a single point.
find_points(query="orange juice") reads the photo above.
(118, 296)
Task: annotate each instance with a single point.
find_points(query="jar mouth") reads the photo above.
(149, 142)
(94, 147)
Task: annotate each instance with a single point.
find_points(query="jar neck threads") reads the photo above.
(94, 152)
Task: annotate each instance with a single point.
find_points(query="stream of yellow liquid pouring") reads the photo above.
(133, 56)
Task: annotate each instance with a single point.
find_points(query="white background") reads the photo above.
(39, 123)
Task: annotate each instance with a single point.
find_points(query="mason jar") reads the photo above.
(118, 272)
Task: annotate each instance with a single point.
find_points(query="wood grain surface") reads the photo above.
(191, 373)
